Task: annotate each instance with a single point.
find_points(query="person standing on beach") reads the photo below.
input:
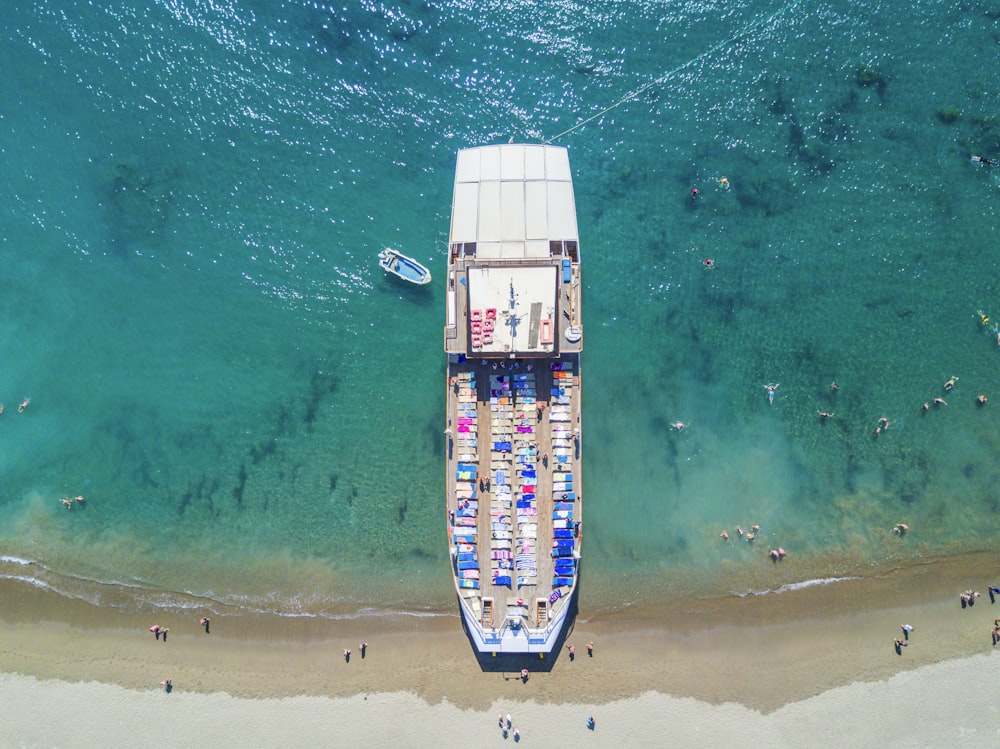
(572, 652)
(590, 649)
(155, 629)
(204, 622)
(907, 628)
(347, 655)
(363, 647)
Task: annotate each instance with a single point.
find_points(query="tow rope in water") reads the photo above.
(670, 73)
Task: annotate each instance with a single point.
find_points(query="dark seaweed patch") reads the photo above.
(241, 483)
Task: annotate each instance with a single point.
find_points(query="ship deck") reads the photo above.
(541, 431)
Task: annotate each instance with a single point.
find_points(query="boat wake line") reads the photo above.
(671, 73)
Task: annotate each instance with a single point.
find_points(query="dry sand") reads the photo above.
(732, 663)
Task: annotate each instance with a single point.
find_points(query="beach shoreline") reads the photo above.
(763, 652)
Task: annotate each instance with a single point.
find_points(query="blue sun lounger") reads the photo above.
(559, 581)
(473, 565)
(502, 580)
(563, 533)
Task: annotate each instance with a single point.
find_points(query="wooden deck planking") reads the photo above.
(502, 595)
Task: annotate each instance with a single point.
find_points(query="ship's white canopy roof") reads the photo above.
(512, 199)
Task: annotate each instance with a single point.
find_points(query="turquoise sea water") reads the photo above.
(194, 195)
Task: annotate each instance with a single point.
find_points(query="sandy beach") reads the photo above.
(731, 662)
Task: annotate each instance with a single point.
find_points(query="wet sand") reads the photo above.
(762, 653)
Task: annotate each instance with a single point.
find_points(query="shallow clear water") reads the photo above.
(195, 194)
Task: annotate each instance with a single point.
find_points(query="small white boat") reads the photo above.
(398, 264)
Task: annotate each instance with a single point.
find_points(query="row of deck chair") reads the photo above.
(501, 524)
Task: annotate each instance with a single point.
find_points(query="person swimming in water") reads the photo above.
(770, 392)
(983, 160)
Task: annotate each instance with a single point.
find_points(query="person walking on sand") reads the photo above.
(590, 647)
(155, 629)
(509, 720)
(993, 590)
(591, 724)
(500, 720)
(163, 631)
(907, 628)
(205, 623)
(363, 647)
(572, 652)
(347, 655)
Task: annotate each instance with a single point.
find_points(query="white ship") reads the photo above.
(513, 338)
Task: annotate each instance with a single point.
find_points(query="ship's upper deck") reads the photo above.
(513, 271)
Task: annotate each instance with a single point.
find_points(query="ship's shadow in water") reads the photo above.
(511, 664)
